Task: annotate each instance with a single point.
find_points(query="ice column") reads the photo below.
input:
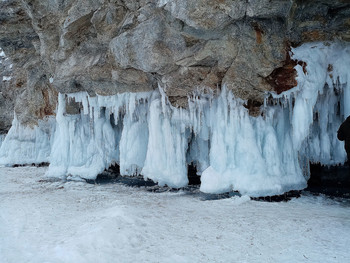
(167, 144)
(252, 155)
(321, 101)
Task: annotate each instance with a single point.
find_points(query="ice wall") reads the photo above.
(232, 150)
(25, 145)
(86, 144)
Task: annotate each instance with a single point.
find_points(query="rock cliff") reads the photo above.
(112, 46)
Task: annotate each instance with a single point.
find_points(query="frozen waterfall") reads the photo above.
(232, 150)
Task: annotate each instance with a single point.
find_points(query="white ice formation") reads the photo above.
(25, 145)
(232, 150)
(6, 78)
(2, 138)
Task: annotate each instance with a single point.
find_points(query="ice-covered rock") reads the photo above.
(232, 150)
(256, 155)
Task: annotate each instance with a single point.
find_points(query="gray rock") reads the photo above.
(268, 8)
(149, 50)
(262, 49)
(112, 46)
(207, 14)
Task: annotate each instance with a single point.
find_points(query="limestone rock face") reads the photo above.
(111, 46)
(207, 14)
(149, 51)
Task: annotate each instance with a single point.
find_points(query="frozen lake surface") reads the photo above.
(43, 220)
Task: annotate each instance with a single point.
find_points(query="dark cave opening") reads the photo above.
(109, 175)
(193, 177)
(112, 175)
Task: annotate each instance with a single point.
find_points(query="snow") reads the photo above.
(144, 134)
(6, 78)
(66, 221)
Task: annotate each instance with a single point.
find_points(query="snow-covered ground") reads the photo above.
(54, 221)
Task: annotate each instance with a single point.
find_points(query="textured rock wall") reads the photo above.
(113, 46)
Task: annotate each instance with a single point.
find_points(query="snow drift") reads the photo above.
(232, 150)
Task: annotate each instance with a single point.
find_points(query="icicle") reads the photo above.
(134, 139)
